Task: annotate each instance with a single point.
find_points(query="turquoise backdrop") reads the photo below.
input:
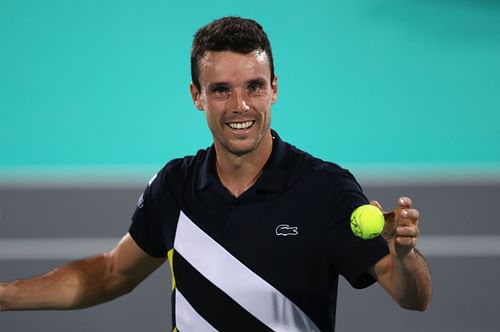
(101, 87)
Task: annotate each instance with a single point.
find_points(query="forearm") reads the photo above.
(76, 285)
(411, 284)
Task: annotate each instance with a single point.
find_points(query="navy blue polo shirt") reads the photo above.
(268, 260)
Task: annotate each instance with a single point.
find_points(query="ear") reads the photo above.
(195, 95)
(274, 87)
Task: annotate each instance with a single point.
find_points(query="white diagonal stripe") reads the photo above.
(235, 279)
(186, 318)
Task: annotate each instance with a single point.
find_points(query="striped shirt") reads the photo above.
(268, 260)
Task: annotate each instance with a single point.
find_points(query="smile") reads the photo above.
(241, 125)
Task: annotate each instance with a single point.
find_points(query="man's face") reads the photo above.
(236, 95)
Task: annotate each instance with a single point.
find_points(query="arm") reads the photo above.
(82, 283)
(404, 273)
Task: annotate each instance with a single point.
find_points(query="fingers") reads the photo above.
(401, 228)
(404, 202)
(408, 217)
(407, 230)
(407, 235)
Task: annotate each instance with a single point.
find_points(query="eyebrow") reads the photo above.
(216, 85)
(259, 80)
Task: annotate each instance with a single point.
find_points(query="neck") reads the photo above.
(239, 172)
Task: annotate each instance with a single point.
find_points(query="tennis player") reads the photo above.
(256, 231)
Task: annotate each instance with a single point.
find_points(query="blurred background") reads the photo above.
(94, 99)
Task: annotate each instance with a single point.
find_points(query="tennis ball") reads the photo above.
(367, 221)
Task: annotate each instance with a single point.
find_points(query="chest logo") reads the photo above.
(285, 230)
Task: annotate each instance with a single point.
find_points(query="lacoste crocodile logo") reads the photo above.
(285, 230)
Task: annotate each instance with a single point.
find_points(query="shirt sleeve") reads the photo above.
(350, 255)
(150, 227)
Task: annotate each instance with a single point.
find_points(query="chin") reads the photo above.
(241, 151)
(241, 148)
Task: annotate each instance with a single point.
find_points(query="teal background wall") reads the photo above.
(101, 87)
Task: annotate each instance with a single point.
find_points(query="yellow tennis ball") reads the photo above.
(367, 221)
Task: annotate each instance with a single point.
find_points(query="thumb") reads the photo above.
(390, 224)
(377, 204)
(387, 215)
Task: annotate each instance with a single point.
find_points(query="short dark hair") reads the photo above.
(230, 33)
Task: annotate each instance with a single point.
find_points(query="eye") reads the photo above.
(255, 88)
(220, 91)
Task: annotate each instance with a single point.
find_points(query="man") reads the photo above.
(255, 230)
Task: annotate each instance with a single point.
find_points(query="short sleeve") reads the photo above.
(350, 255)
(150, 226)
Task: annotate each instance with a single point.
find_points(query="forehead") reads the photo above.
(228, 65)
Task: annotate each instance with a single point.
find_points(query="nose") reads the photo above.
(241, 104)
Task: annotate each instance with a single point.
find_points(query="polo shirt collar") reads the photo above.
(273, 177)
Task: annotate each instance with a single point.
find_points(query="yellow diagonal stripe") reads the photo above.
(170, 255)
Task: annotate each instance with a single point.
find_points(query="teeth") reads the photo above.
(240, 125)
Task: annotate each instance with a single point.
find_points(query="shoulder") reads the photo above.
(179, 170)
(316, 169)
(184, 165)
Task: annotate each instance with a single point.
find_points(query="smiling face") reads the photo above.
(236, 94)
